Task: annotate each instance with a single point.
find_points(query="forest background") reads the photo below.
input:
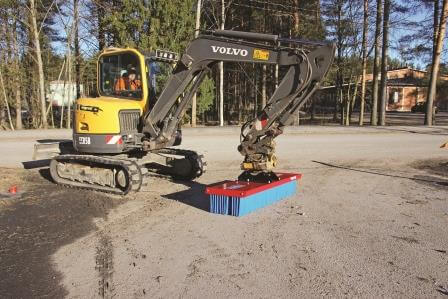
(47, 40)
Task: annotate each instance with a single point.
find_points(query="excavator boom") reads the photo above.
(307, 63)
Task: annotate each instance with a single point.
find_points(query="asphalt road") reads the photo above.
(414, 119)
(392, 119)
(369, 220)
(17, 146)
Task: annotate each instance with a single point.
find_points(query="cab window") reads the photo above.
(120, 76)
(159, 72)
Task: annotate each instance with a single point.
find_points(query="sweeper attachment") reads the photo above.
(238, 198)
(306, 63)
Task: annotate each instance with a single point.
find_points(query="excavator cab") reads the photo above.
(120, 75)
(127, 89)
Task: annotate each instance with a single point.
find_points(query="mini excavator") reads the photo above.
(127, 133)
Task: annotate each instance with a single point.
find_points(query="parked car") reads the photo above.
(421, 107)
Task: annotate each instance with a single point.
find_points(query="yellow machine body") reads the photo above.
(97, 120)
(101, 114)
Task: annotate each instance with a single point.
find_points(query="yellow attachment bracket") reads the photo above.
(247, 166)
(268, 164)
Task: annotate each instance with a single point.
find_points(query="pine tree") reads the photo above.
(206, 96)
(148, 25)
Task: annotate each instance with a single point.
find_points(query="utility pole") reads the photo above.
(196, 33)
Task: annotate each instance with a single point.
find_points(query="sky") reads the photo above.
(398, 29)
(418, 15)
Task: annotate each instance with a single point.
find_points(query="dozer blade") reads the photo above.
(49, 150)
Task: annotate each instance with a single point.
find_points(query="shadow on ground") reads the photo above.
(418, 178)
(54, 140)
(34, 228)
(194, 196)
(424, 131)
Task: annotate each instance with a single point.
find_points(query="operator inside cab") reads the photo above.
(128, 80)
(120, 75)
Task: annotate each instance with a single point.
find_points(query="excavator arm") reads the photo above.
(307, 63)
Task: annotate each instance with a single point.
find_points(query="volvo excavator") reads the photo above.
(127, 133)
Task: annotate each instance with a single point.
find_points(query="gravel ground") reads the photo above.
(369, 220)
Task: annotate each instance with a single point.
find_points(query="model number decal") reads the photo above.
(93, 109)
(84, 140)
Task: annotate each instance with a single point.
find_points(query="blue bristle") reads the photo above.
(239, 206)
(256, 201)
(219, 204)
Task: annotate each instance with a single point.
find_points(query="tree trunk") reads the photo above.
(339, 76)
(221, 94)
(240, 99)
(276, 76)
(376, 65)
(77, 53)
(355, 93)
(6, 101)
(435, 65)
(6, 55)
(19, 120)
(40, 67)
(383, 94)
(342, 104)
(221, 72)
(364, 61)
(335, 96)
(347, 104)
(313, 110)
(263, 86)
(69, 73)
(255, 90)
(100, 14)
(61, 124)
(17, 81)
(296, 16)
(196, 33)
(436, 28)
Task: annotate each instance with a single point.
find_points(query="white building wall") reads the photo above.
(59, 93)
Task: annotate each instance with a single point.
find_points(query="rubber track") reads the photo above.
(131, 167)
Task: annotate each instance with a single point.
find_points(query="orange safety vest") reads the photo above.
(125, 84)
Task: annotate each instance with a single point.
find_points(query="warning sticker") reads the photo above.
(261, 54)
